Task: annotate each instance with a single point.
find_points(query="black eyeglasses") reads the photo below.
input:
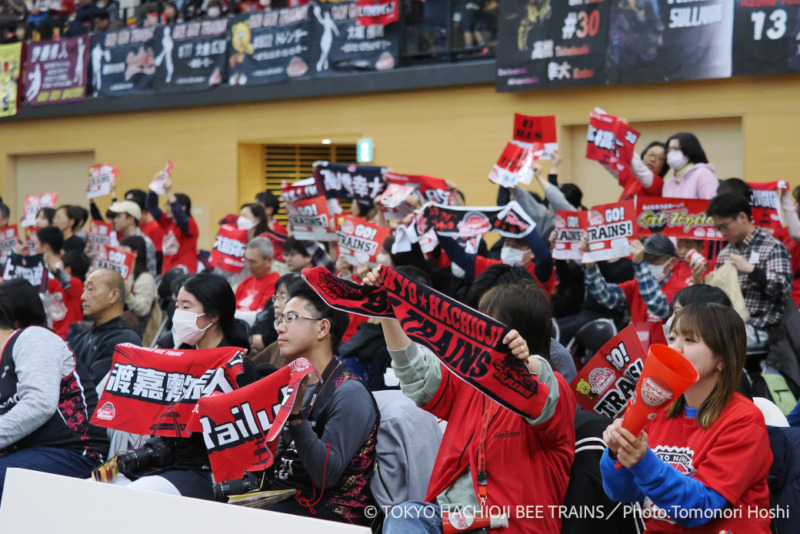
(289, 318)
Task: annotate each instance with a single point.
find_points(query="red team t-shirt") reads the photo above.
(253, 293)
(179, 248)
(732, 457)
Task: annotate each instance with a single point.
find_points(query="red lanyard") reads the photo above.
(489, 411)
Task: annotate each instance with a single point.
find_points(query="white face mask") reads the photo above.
(101, 5)
(676, 160)
(184, 327)
(214, 12)
(658, 271)
(457, 271)
(243, 223)
(512, 256)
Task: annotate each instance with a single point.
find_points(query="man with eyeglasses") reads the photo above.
(327, 449)
(765, 273)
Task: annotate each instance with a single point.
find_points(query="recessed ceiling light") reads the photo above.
(326, 141)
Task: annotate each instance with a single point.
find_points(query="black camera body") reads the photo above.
(155, 452)
(250, 482)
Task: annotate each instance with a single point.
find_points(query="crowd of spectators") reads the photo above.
(329, 446)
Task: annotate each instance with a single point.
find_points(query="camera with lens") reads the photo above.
(155, 452)
(250, 482)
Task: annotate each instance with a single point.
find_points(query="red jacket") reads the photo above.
(527, 466)
(649, 327)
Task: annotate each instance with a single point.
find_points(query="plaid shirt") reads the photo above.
(611, 296)
(765, 289)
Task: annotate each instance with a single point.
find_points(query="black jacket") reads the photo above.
(95, 347)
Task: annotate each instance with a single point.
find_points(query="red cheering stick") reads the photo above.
(666, 375)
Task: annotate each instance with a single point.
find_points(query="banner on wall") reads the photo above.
(765, 37)
(681, 218)
(551, 44)
(664, 40)
(270, 46)
(190, 56)
(10, 66)
(56, 71)
(342, 44)
(377, 12)
(123, 62)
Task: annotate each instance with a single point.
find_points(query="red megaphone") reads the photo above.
(665, 376)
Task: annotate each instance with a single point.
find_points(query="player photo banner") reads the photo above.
(469, 343)
(570, 228)
(675, 217)
(101, 234)
(33, 203)
(102, 178)
(665, 40)
(9, 237)
(611, 227)
(190, 56)
(153, 391)
(344, 181)
(359, 240)
(10, 67)
(227, 253)
(610, 142)
(116, 260)
(550, 44)
(271, 46)
(310, 220)
(56, 71)
(305, 188)
(344, 45)
(30, 268)
(428, 188)
(123, 62)
(765, 37)
(377, 12)
(241, 428)
(765, 203)
(609, 379)
(463, 221)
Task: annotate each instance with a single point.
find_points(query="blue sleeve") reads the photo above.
(794, 415)
(618, 483)
(151, 205)
(671, 490)
(179, 217)
(542, 259)
(458, 255)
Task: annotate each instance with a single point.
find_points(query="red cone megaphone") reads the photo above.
(665, 376)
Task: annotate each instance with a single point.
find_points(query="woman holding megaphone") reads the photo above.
(702, 464)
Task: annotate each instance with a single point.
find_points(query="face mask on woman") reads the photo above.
(676, 160)
(512, 256)
(658, 271)
(184, 327)
(243, 223)
(214, 12)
